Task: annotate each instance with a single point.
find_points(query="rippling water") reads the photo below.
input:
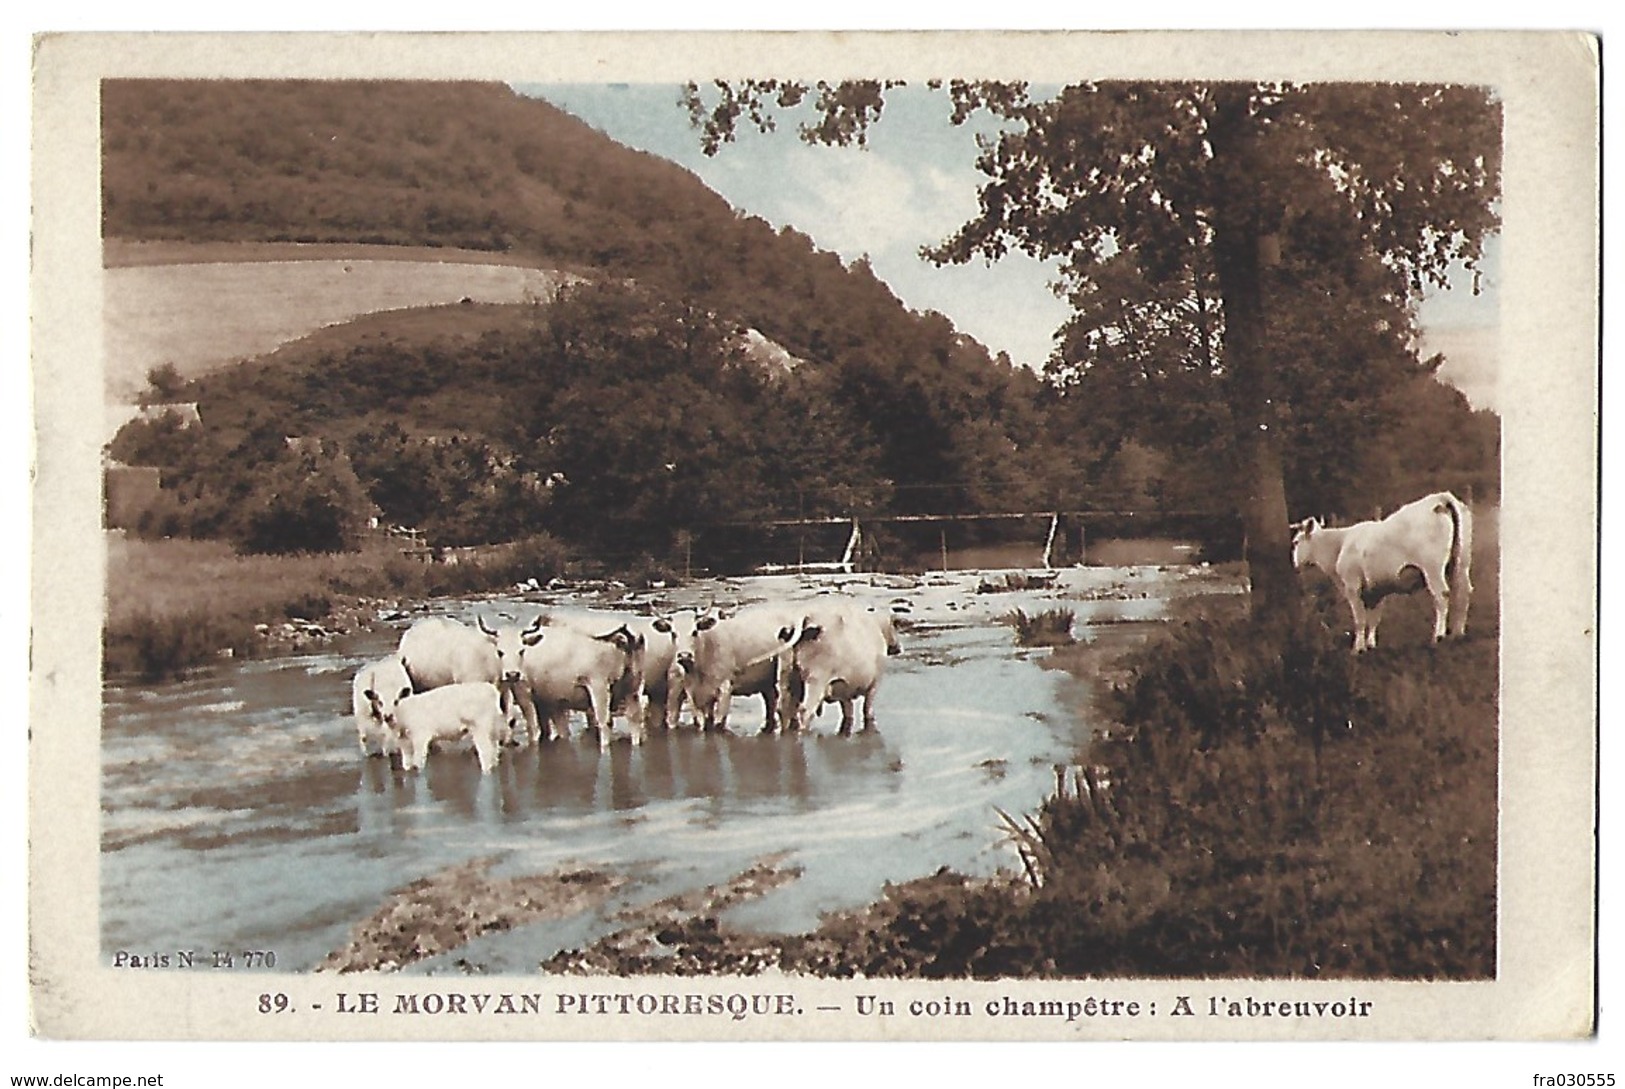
(238, 813)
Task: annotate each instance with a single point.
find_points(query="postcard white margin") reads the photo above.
(1549, 84)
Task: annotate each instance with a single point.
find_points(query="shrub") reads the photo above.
(308, 605)
(157, 647)
(1052, 628)
(308, 504)
(1211, 680)
(645, 571)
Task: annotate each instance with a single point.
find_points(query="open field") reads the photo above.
(172, 577)
(202, 307)
(121, 253)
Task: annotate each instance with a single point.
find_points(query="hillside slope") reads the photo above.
(457, 166)
(898, 404)
(201, 313)
(899, 413)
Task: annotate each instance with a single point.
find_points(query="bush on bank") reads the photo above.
(155, 632)
(153, 647)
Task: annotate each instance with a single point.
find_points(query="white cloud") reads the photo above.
(1472, 360)
(856, 202)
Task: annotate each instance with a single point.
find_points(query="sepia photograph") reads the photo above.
(827, 539)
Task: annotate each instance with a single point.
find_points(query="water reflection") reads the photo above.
(575, 777)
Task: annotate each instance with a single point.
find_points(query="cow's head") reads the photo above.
(382, 704)
(510, 642)
(631, 645)
(387, 685)
(1302, 534)
(686, 635)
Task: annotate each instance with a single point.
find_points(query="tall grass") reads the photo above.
(1050, 628)
(153, 647)
(176, 604)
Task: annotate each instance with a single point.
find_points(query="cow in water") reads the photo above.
(378, 687)
(438, 651)
(562, 669)
(662, 679)
(722, 655)
(472, 710)
(1426, 544)
(834, 653)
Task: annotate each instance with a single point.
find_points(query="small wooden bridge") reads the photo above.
(1063, 527)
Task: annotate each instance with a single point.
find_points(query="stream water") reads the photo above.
(238, 813)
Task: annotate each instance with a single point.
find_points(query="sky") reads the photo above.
(913, 186)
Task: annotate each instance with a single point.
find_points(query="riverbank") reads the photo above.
(1258, 845)
(176, 604)
(1260, 807)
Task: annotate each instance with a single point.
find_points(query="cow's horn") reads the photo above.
(479, 619)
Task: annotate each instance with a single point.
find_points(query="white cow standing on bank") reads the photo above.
(1424, 544)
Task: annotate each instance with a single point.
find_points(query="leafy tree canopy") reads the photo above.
(1203, 183)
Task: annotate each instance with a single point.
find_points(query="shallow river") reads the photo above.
(239, 814)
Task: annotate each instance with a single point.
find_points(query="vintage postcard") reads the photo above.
(815, 536)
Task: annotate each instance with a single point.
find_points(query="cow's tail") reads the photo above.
(788, 638)
(1458, 569)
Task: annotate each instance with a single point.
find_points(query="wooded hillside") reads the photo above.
(625, 418)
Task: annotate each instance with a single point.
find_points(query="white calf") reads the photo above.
(1425, 544)
(449, 713)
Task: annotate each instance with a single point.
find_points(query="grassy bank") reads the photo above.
(1262, 804)
(175, 604)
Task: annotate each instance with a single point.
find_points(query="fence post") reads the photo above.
(851, 548)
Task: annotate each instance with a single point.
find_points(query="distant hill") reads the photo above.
(711, 370)
(464, 166)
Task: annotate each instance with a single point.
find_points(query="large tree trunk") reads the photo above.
(1239, 228)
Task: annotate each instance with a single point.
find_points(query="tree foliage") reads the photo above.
(262, 489)
(1188, 192)
(627, 418)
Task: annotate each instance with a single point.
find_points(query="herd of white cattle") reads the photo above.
(517, 684)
